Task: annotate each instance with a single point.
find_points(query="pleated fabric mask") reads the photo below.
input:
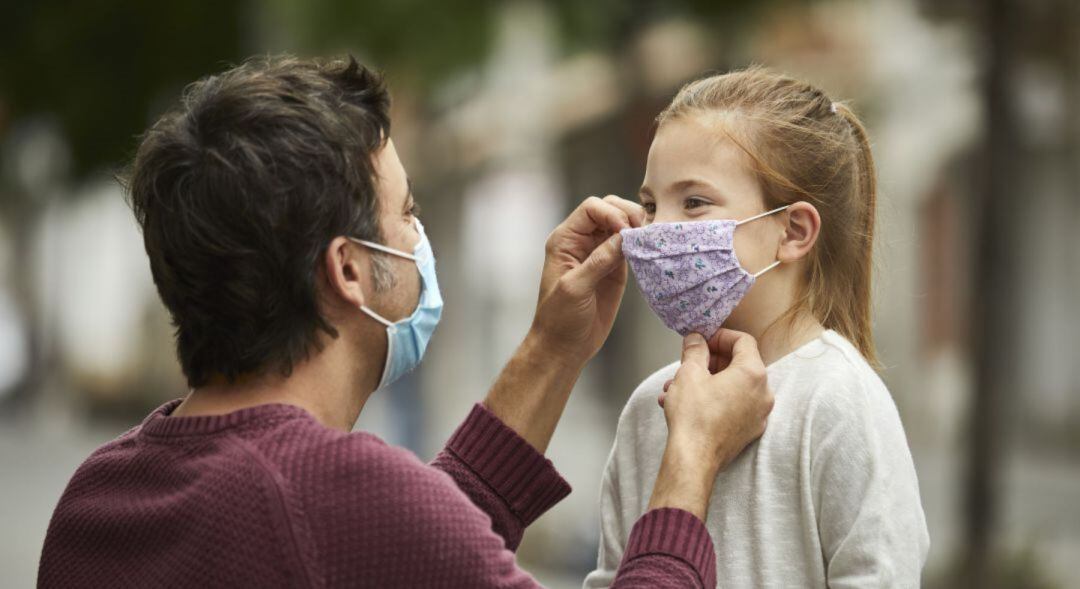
(688, 271)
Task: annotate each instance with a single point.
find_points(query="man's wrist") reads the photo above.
(552, 350)
(531, 392)
(686, 478)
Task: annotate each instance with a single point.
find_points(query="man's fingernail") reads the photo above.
(693, 339)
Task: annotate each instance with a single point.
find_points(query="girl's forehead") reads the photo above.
(687, 148)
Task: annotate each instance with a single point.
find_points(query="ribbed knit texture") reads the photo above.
(268, 497)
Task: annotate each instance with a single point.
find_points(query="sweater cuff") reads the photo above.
(676, 533)
(523, 477)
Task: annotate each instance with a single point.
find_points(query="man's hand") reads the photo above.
(584, 277)
(711, 417)
(580, 290)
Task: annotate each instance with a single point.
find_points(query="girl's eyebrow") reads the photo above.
(698, 184)
(692, 183)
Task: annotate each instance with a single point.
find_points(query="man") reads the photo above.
(283, 239)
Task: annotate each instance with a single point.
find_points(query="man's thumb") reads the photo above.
(695, 351)
(602, 261)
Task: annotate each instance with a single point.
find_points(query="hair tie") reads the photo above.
(832, 107)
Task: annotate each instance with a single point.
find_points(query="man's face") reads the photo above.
(397, 220)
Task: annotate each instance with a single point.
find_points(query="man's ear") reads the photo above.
(345, 267)
(800, 232)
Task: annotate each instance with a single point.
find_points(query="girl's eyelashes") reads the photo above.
(695, 202)
(690, 203)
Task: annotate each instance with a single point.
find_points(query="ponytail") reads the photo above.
(857, 326)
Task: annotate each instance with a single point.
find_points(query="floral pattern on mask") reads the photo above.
(688, 272)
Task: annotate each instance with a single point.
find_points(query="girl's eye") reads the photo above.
(650, 208)
(693, 203)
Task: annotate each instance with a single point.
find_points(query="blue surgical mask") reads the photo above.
(408, 339)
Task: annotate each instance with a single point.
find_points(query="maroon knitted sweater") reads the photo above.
(268, 497)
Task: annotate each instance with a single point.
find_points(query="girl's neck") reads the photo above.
(782, 337)
(778, 336)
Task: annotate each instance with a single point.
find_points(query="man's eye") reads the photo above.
(414, 210)
(650, 208)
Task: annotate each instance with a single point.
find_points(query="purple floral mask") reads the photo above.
(688, 271)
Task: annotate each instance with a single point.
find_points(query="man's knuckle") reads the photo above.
(755, 372)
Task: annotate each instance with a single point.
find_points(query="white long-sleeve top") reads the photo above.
(828, 497)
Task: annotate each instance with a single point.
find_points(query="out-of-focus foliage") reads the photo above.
(97, 67)
(103, 69)
(425, 41)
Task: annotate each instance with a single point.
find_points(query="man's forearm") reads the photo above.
(685, 481)
(530, 393)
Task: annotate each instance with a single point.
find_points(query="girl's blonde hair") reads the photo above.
(804, 147)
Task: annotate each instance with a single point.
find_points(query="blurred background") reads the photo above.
(507, 114)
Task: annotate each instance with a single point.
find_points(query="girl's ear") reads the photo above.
(344, 266)
(800, 232)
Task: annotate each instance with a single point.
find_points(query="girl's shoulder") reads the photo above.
(833, 383)
(827, 360)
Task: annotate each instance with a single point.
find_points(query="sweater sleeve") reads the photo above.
(668, 548)
(515, 484)
(501, 473)
(871, 522)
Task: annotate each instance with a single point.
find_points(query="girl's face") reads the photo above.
(695, 173)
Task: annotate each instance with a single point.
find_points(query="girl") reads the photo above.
(758, 180)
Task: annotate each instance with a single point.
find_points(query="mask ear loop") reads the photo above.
(755, 218)
(376, 316)
(765, 214)
(383, 248)
(391, 251)
(766, 269)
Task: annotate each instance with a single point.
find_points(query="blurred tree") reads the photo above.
(995, 265)
(98, 68)
(419, 43)
(104, 68)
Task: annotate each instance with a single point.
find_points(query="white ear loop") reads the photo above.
(755, 218)
(766, 269)
(383, 248)
(376, 316)
(765, 214)
(391, 251)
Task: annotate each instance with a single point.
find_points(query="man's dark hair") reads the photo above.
(238, 193)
